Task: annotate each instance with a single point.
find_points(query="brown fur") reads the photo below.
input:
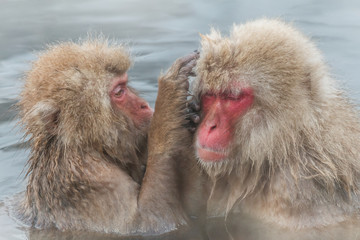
(295, 156)
(85, 167)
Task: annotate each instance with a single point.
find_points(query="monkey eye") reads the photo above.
(207, 99)
(119, 91)
(233, 97)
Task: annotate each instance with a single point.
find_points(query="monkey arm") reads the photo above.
(159, 194)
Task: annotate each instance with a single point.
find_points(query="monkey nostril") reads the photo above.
(144, 106)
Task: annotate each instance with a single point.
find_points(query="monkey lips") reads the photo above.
(210, 155)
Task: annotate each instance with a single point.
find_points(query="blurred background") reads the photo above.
(158, 32)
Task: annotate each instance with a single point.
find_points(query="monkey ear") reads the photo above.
(44, 115)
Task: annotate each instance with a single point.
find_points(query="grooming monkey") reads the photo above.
(91, 135)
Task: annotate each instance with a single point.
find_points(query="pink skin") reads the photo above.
(126, 101)
(220, 112)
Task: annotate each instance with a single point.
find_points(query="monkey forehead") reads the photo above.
(257, 53)
(92, 56)
(229, 86)
(72, 66)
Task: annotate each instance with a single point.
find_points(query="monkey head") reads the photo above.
(258, 88)
(77, 94)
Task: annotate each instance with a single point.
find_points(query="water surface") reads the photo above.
(158, 32)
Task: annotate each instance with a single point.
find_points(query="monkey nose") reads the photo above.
(146, 108)
(212, 122)
(210, 126)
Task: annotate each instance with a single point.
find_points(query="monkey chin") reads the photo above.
(214, 168)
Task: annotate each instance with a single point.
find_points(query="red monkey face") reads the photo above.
(129, 103)
(220, 114)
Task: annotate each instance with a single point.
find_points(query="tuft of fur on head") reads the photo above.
(299, 121)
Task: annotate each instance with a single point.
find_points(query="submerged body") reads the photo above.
(278, 138)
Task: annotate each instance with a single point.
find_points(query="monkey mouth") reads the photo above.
(210, 155)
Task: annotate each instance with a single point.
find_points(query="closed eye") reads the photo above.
(232, 97)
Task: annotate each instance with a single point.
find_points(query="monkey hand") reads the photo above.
(192, 114)
(176, 78)
(174, 86)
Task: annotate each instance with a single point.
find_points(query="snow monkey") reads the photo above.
(278, 138)
(88, 136)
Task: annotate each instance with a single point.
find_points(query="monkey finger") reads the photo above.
(183, 61)
(187, 69)
(192, 118)
(186, 59)
(193, 106)
(192, 73)
(192, 129)
(187, 85)
(195, 118)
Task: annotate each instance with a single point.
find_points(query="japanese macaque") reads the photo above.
(88, 135)
(279, 139)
